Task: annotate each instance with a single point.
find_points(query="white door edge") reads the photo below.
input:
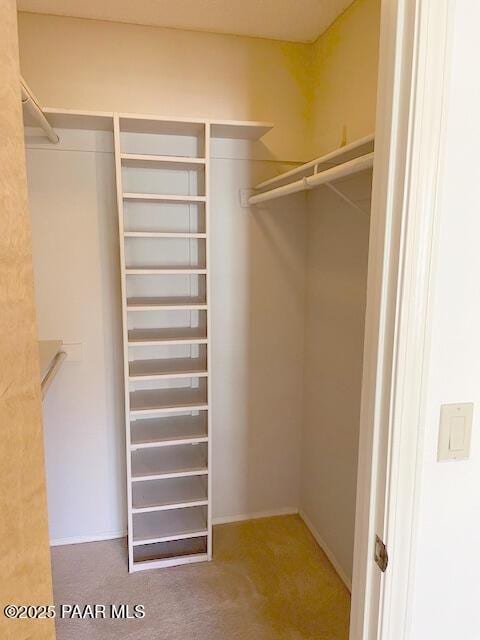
(413, 78)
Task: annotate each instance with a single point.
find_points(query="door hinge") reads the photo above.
(381, 554)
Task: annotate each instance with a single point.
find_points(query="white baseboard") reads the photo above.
(110, 535)
(336, 565)
(113, 535)
(285, 511)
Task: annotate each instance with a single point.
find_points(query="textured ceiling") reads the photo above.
(294, 20)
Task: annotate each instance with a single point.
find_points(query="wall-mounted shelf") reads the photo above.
(238, 130)
(59, 118)
(78, 119)
(341, 163)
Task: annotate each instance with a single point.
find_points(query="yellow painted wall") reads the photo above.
(89, 64)
(26, 576)
(310, 91)
(344, 78)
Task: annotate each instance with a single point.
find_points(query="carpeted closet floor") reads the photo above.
(269, 580)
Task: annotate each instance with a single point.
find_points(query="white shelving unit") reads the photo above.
(162, 190)
(162, 169)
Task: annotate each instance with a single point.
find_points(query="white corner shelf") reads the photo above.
(239, 130)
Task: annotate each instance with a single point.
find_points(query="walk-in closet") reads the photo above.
(200, 212)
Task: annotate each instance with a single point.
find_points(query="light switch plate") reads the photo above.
(455, 431)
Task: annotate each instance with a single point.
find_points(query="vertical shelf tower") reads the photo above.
(162, 173)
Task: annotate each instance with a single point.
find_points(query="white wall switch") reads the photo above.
(455, 431)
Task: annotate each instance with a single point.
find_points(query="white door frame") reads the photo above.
(412, 96)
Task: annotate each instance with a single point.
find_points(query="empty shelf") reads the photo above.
(169, 462)
(166, 304)
(240, 130)
(137, 271)
(174, 493)
(152, 197)
(135, 123)
(164, 234)
(167, 554)
(74, 119)
(174, 335)
(163, 526)
(167, 400)
(163, 162)
(164, 432)
(154, 369)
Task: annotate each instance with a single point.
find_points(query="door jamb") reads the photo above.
(412, 100)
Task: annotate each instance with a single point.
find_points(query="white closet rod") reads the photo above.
(329, 175)
(51, 373)
(30, 103)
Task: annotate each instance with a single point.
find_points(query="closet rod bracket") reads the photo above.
(244, 196)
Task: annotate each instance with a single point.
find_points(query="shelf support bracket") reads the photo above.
(344, 197)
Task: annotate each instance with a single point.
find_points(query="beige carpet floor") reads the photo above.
(269, 580)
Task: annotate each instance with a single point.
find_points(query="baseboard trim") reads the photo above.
(111, 535)
(286, 511)
(336, 565)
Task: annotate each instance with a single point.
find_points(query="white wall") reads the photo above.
(447, 589)
(258, 288)
(76, 265)
(334, 321)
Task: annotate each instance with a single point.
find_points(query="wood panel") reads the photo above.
(26, 575)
